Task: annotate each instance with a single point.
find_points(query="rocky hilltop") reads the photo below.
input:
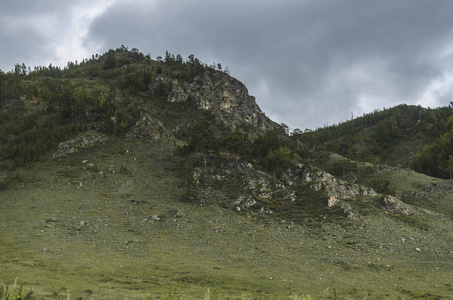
(223, 95)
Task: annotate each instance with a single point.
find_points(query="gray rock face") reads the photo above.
(226, 97)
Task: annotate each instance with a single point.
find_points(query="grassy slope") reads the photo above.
(121, 253)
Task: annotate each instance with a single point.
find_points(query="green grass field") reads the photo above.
(85, 225)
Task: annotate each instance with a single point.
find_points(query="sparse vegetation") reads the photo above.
(14, 292)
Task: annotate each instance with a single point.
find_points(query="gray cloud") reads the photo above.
(308, 62)
(36, 32)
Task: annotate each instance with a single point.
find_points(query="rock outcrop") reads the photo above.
(260, 191)
(83, 141)
(335, 188)
(338, 190)
(226, 97)
(149, 127)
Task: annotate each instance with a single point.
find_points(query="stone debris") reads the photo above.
(155, 218)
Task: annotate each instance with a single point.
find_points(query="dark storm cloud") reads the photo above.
(308, 62)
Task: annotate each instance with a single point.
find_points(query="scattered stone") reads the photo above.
(155, 218)
(438, 188)
(245, 202)
(179, 214)
(347, 209)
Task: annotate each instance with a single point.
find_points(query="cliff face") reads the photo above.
(226, 97)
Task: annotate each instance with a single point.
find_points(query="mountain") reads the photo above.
(127, 177)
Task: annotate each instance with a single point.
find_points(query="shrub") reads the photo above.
(16, 293)
(383, 186)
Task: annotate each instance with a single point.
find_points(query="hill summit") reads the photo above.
(226, 97)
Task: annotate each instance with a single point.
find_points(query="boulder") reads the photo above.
(395, 206)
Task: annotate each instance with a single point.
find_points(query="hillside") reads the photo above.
(124, 177)
(392, 136)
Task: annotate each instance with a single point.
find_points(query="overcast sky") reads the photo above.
(307, 62)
